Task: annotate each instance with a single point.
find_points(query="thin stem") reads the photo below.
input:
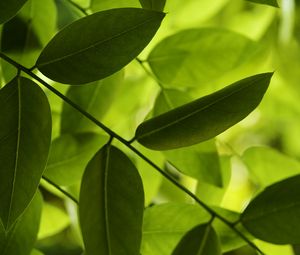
(136, 151)
(61, 190)
(141, 62)
(83, 10)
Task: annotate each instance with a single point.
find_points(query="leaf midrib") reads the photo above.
(16, 165)
(176, 121)
(95, 44)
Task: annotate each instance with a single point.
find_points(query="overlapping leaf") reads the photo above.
(98, 45)
(157, 5)
(111, 204)
(201, 240)
(24, 144)
(9, 8)
(22, 236)
(205, 117)
(273, 216)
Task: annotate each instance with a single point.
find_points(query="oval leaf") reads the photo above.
(9, 8)
(98, 45)
(20, 239)
(204, 118)
(267, 2)
(24, 145)
(157, 5)
(201, 240)
(111, 204)
(273, 215)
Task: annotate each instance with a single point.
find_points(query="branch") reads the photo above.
(133, 149)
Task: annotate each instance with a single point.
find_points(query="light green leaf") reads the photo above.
(98, 45)
(111, 204)
(205, 117)
(24, 145)
(199, 161)
(197, 57)
(267, 2)
(160, 234)
(201, 240)
(267, 166)
(273, 216)
(69, 155)
(20, 239)
(157, 5)
(95, 98)
(53, 221)
(36, 252)
(24, 36)
(9, 8)
(100, 5)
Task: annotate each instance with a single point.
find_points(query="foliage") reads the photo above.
(149, 127)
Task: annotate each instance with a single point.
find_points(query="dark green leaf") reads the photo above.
(157, 5)
(273, 215)
(267, 166)
(204, 118)
(96, 98)
(9, 8)
(200, 161)
(111, 204)
(201, 240)
(197, 57)
(69, 155)
(267, 2)
(22, 236)
(24, 145)
(98, 45)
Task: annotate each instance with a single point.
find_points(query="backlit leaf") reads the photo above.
(20, 239)
(9, 8)
(273, 215)
(24, 145)
(98, 45)
(267, 2)
(197, 57)
(205, 117)
(201, 240)
(111, 204)
(96, 98)
(100, 5)
(69, 155)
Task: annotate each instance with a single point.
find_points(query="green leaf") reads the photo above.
(267, 2)
(100, 5)
(69, 155)
(111, 204)
(197, 57)
(9, 8)
(96, 98)
(98, 45)
(20, 239)
(201, 240)
(36, 252)
(53, 221)
(161, 235)
(24, 36)
(157, 5)
(273, 215)
(24, 145)
(267, 166)
(205, 117)
(200, 161)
